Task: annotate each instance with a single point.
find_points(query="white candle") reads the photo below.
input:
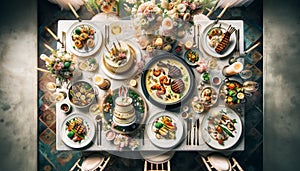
(51, 33)
(73, 10)
(99, 81)
(234, 68)
(48, 47)
(46, 58)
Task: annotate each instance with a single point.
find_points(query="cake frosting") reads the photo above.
(119, 58)
(124, 112)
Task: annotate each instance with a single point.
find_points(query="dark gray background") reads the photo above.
(17, 85)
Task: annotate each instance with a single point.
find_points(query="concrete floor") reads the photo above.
(18, 53)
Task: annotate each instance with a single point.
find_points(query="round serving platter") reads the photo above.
(152, 82)
(84, 52)
(137, 54)
(139, 104)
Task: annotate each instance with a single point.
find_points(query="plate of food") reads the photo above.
(208, 96)
(120, 59)
(217, 40)
(84, 39)
(192, 56)
(81, 94)
(167, 81)
(77, 130)
(221, 128)
(232, 92)
(165, 130)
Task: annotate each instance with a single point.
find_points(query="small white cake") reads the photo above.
(124, 112)
(119, 59)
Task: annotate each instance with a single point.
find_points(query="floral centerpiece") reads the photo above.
(146, 16)
(105, 6)
(60, 65)
(167, 19)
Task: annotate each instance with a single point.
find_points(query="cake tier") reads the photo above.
(114, 66)
(124, 115)
(124, 121)
(123, 105)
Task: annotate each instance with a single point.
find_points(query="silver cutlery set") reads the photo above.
(193, 133)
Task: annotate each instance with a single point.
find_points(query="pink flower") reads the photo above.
(193, 6)
(146, 11)
(57, 67)
(122, 55)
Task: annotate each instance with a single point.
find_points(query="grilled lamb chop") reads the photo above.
(174, 72)
(177, 86)
(225, 40)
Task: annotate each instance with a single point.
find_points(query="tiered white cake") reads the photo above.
(124, 112)
(119, 59)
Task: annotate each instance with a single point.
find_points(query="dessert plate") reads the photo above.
(140, 106)
(128, 74)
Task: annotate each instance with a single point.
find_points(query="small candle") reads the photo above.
(46, 58)
(73, 10)
(99, 81)
(52, 34)
(48, 47)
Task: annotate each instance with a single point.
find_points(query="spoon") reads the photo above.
(98, 119)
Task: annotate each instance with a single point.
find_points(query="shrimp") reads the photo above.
(156, 72)
(164, 80)
(160, 90)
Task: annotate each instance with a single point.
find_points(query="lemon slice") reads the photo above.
(240, 95)
(188, 44)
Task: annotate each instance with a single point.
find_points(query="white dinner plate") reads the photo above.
(90, 127)
(231, 141)
(83, 52)
(128, 74)
(166, 143)
(210, 50)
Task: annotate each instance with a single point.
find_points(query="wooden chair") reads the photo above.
(217, 162)
(93, 162)
(157, 161)
(149, 166)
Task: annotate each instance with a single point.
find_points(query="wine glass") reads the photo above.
(246, 74)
